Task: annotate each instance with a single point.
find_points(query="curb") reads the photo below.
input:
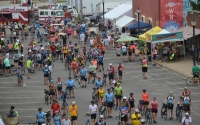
(171, 69)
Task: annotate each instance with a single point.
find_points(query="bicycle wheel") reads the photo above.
(165, 115)
(12, 71)
(189, 81)
(180, 116)
(177, 113)
(52, 66)
(162, 112)
(146, 117)
(63, 112)
(93, 95)
(150, 118)
(23, 71)
(105, 113)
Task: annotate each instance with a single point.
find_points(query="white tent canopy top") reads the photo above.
(163, 31)
(119, 11)
(124, 21)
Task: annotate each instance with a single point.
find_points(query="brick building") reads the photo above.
(194, 15)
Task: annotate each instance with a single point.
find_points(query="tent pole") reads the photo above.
(184, 49)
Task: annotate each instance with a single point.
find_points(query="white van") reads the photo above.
(45, 14)
(73, 12)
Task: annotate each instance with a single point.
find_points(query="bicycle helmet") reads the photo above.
(101, 116)
(118, 83)
(52, 81)
(137, 110)
(124, 98)
(40, 109)
(131, 93)
(185, 88)
(144, 90)
(170, 92)
(142, 121)
(120, 62)
(186, 113)
(75, 59)
(110, 64)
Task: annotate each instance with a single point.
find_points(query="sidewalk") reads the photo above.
(182, 67)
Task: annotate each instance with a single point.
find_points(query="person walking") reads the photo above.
(154, 106)
(187, 120)
(144, 63)
(40, 117)
(73, 111)
(109, 99)
(66, 121)
(155, 53)
(93, 112)
(83, 74)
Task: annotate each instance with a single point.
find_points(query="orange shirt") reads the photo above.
(95, 63)
(55, 107)
(95, 43)
(10, 46)
(102, 48)
(73, 110)
(145, 96)
(74, 64)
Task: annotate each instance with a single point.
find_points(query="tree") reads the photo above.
(195, 5)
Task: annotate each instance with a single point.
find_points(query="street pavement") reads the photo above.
(160, 81)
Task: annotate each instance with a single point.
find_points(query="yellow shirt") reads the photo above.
(135, 120)
(73, 110)
(101, 92)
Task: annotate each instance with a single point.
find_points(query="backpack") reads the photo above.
(124, 49)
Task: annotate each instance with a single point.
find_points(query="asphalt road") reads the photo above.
(160, 81)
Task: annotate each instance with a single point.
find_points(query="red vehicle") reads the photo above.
(13, 14)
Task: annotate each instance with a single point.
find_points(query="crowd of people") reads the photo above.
(37, 57)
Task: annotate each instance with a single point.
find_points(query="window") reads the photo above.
(46, 13)
(136, 15)
(156, 22)
(150, 21)
(59, 13)
(143, 18)
(52, 13)
(41, 12)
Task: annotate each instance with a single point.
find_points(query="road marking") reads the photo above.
(21, 103)
(35, 92)
(8, 78)
(195, 113)
(19, 97)
(196, 101)
(18, 87)
(24, 82)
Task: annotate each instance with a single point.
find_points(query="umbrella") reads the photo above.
(126, 39)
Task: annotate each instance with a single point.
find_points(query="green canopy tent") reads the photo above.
(126, 39)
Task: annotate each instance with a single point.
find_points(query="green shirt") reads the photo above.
(118, 90)
(195, 70)
(92, 68)
(28, 64)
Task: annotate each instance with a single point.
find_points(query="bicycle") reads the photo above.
(190, 81)
(78, 78)
(88, 119)
(118, 119)
(46, 97)
(48, 117)
(148, 115)
(179, 112)
(64, 110)
(104, 75)
(67, 64)
(164, 111)
(103, 110)
(2, 72)
(95, 96)
(67, 92)
(141, 107)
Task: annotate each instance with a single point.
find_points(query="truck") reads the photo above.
(109, 6)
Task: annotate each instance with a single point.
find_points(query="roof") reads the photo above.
(142, 25)
(124, 21)
(163, 31)
(188, 32)
(118, 11)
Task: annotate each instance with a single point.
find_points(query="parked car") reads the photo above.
(94, 18)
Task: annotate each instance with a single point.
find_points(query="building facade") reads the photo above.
(168, 14)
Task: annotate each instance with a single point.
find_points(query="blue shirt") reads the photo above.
(123, 110)
(83, 72)
(44, 53)
(46, 70)
(98, 83)
(57, 120)
(109, 97)
(103, 34)
(70, 83)
(63, 97)
(40, 116)
(100, 58)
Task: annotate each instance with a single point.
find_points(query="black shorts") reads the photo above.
(154, 57)
(102, 52)
(58, 52)
(118, 97)
(93, 116)
(53, 53)
(29, 70)
(154, 110)
(170, 106)
(146, 102)
(110, 104)
(124, 54)
(39, 61)
(1, 66)
(195, 76)
(125, 118)
(120, 73)
(40, 123)
(52, 93)
(73, 118)
(144, 69)
(111, 76)
(186, 107)
(129, 53)
(8, 67)
(101, 63)
(16, 61)
(165, 55)
(132, 105)
(83, 78)
(46, 75)
(70, 87)
(59, 88)
(10, 50)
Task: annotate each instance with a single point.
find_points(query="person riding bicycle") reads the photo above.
(144, 99)
(185, 91)
(170, 100)
(70, 85)
(135, 118)
(186, 103)
(55, 107)
(98, 83)
(123, 111)
(40, 117)
(195, 72)
(52, 90)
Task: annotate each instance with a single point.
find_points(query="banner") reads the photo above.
(186, 7)
(171, 14)
(167, 37)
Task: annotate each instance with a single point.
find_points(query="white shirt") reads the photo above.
(91, 42)
(7, 55)
(82, 37)
(93, 109)
(187, 120)
(66, 122)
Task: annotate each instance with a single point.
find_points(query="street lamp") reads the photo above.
(138, 12)
(103, 10)
(193, 22)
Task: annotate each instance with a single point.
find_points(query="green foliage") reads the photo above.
(195, 5)
(43, 7)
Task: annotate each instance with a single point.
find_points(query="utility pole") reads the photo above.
(81, 10)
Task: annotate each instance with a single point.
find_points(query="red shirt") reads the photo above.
(111, 70)
(55, 107)
(184, 92)
(74, 64)
(53, 48)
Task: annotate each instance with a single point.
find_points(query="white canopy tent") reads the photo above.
(124, 21)
(119, 11)
(163, 31)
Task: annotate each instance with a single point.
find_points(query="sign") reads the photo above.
(171, 14)
(186, 7)
(13, 9)
(167, 37)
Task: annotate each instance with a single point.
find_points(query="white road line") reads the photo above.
(21, 97)
(18, 87)
(7, 78)
(22, 103)
(35, 92)
(25, 110)
(24, 82)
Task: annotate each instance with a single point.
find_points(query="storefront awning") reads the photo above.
(5, 12)
(152, 31)
(188, 32)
